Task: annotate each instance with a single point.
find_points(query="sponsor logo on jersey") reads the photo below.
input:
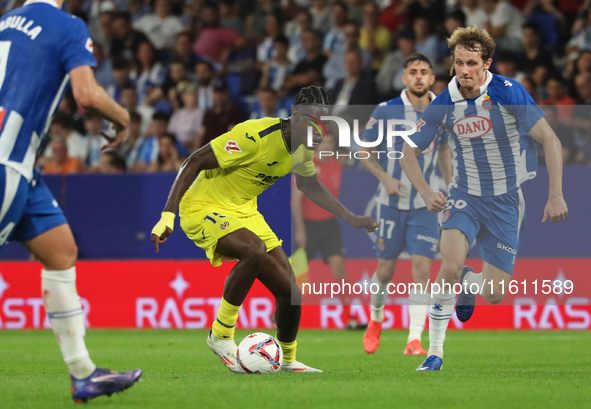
(264, 180)
(232, 146)
(508, 84)
(89, 45)
(506, 248)
(487, 103)
(472, 127)
(224, 225)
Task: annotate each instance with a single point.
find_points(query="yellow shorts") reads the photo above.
(207, 225)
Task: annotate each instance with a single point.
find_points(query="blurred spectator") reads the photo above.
(215, 41)
(69, 107)
(507, 67)
(533, 55)
(186, 122)
(131, 148)
(94, 125)
(356, 10)
(255, 21)
(62, 128)
(266, 105)
(581, 32)
(204, 77)
(129, 101)
(334, 39)
(321, 15)
(296, 51)
(160, 27)
(126, 40)
(138, 9)
(333, 69)
(147, 72)
(475, 15)
(149, 150)
(530, 86)
(168, 159)
(432, 10)
(389, 78)
(103, 72)
(425, 42)
(183, 50)
(550, 20)
(503, 23)
(177, 79)
(394, 17)
(557, 96)
(61, 163)
(275, 71)
(358, 88)
(121, 72)
(222, 116)
(453, 21)
(581, 64)
(266, 49)
(309, 70)
(230, 15)
(440, 84)
(374, 37)
(104, 34)
(111, 162)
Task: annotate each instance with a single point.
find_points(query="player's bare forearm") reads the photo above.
(542, 132)
(444, 161)
(92, 97)
(296, 206)
(410, 165)
(202, 159)
(320, 195)
(373, 165)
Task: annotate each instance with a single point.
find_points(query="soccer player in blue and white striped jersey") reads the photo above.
(492, 123)
(42, 49)
(404, 221)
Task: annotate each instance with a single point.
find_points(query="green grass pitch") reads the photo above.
(481, 370)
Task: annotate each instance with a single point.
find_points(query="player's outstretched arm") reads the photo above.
(556, 208)
(202, 159)
(392, 185)
(321, 196)
(92, 97)
(410, 164)
(298, 217)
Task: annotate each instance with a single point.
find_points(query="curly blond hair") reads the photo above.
(472, 39)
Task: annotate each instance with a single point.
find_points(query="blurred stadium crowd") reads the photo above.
(188, 70)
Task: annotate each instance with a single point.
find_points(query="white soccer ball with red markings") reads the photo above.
(260, 353)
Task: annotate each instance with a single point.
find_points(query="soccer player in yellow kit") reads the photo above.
(215, 193)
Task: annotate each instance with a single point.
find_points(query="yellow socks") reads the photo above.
(225, 323)
(289, 350)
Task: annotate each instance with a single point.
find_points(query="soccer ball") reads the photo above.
(260, 353)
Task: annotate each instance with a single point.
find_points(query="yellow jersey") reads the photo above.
(251, 157)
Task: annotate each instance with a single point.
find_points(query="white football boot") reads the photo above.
(226, 349)
(296, 366)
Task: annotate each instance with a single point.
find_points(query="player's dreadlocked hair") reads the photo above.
(471, 39)
(313, 95)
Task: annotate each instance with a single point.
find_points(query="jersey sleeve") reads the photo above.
(307, 167)
(521, 105)
(372, 128)
(77, 46)
(428, 125)
(236, 147)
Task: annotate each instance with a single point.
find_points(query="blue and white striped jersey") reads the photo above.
(39, 46)
(401, 108)
(492, 150)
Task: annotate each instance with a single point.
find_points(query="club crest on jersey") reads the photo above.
(224, 225)
(232, 146)
(89, 45)
(487, 103)
(380, 244)
(420, 124)
(472, 127)
(445, 216)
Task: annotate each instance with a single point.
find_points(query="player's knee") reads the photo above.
(495, 297)
(295, 295)
(256, 255)
(64, 258)
(451, 271)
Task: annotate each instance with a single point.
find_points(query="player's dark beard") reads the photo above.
(419, 94)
